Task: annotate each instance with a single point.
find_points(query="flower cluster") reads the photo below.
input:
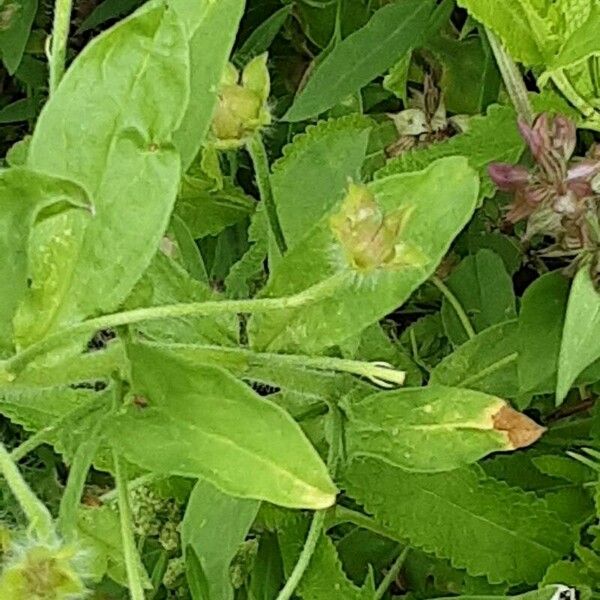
(557, 191)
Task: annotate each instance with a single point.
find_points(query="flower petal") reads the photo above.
(507, 177)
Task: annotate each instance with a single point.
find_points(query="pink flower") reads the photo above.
(556, 181)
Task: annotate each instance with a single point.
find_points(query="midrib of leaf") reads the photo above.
(506, 360)
(288, 475)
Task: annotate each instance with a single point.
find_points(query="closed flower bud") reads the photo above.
(370, 239)
(242, 104)
(40, 572)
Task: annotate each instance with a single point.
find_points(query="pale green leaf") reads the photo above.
(439, 199)
(434, 428)
(484, 289)
(580, 345)
(526, 31)
(124, 95)
(487, 363)
(211, 27)
(214, 525)
(480, 524)
(391, 32)
(208, 424)
(25, 194)
(493, 137)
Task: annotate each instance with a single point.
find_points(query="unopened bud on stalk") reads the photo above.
(242, 105)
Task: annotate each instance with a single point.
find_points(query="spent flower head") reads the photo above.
(242, 108)
(558, 185)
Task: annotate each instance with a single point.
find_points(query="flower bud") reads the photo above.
(369, 238)
(40, 572)
(242, 104)
(507, 177)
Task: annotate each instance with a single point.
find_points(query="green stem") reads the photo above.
(258, 154)
(318, 521)
(71, 499)
(513, 81)
(132, 562)
(37, 514)
(132, 485)
(391, 575)
(341, 514)
(60, 38)
(456, 305)
(10, 367)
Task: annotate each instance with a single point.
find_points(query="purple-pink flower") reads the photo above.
(555, 181)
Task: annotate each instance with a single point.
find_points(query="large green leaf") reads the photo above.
(434, 428)
(484, 290)
(202, 422)
(438, 202)
(214, 526)
(492, 137)
(480, 524)
(580, 345)
(25, 194)
(391, 32)
(108, 127)
(211, 28)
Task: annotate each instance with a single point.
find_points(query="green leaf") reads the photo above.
(526, 32)
(313, 172)
(17, 18)
(582, 44)
(580, 345)
(493, 137)
(24, 196)
(487, 363)
(541, 323)
(211, 28)
(434, 428)
(214, 525)
(208, 212)
(267, 578)
(120, 152)
(107, 10)
(262, 37)
(484, 290)
(480, 524)
(549, 592)
(470, 77)
(391, 32)
(438, 201)
(208, 424)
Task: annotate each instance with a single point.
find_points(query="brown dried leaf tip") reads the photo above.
(520, 430)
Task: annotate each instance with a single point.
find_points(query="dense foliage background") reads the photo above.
(300, 299)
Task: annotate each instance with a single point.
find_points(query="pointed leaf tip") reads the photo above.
(520, 430)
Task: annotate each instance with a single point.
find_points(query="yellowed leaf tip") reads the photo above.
(520, 430)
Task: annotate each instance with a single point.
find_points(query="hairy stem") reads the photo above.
(456, 305)
(60, 38)
(37, 514)
(391, 575)
(513, 81)
(258, 154)
(10, 367)
(318, 521)
(132, 562)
